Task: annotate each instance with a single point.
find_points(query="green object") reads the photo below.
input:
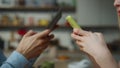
(74, 3)
(72, 22)
(47, 64)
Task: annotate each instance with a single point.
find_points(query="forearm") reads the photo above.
(105, 60)
(95, 65)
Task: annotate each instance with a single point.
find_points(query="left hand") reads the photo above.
(33, 44)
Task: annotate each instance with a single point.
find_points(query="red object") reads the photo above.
(22, 32)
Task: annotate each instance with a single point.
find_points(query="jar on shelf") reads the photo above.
(7, 3)
(5, 20)
(16, 21)
(21, 3)
(43, 22)
(47, 3)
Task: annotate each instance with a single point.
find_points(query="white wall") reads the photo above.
(96, 12)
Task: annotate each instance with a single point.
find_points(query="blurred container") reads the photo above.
(47, 3)
(47, 64)
(31, 21)
(16, 21)
(40, 3)
(82, 64)
(7, 3)
(31, 3)
(5, 20)
(43, 22)
(21, 3)
(66, 3)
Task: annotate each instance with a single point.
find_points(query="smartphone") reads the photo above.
(55, 19)
(72, 22)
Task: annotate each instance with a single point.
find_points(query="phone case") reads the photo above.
(54, 21)
(72, 22)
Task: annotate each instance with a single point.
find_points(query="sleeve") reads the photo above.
(15, 60)
(32, 61)
(2, 57)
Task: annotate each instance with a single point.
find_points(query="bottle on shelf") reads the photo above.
(5, 20)
(16, 21)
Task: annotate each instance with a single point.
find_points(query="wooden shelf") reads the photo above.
(93, 28)
(33, 9)
(9, 28)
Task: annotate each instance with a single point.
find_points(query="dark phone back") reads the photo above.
(54, 21)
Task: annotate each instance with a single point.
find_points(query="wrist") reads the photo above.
(100, 51)
(22, 53)
(101, 55)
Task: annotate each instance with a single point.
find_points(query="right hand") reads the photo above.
(33, 44)
(94, 46)
(90, 43)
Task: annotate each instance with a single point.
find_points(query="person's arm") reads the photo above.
(3, 59)
(94, 45)
(31, 46)
(15, 60)
(106, 60)
(103, 60)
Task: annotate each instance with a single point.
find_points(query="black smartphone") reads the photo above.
(55, 19)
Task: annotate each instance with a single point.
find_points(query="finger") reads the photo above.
(43, 34)
(43, 42)
(80, 32)
(42, 48)
(45, 46)
(49, 37)
(76, 37)
(80, 44)
(29, 33)
(39, 50)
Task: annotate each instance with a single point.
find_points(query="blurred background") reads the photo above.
(19, 16)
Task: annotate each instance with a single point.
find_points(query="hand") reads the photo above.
(33, 44)
(90, 43)
(94, 46)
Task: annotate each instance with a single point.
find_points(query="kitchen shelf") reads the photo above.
(93, 28)
(33, 9)
(8, 28)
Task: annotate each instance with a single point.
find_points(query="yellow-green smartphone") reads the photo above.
(72, 22)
